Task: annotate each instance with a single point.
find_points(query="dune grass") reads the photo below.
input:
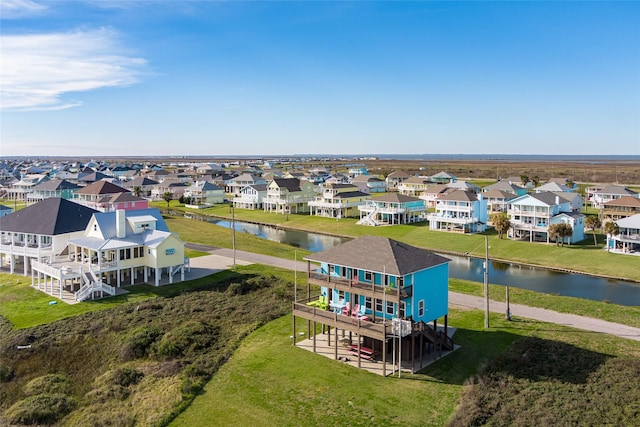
(274, 383)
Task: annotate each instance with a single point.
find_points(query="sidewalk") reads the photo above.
(455, 298)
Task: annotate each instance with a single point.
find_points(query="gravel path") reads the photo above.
(455, 298)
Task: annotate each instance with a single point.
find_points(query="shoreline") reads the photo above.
(443, 251)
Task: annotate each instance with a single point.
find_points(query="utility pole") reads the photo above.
(233, 234)
(486, 281)
(508, 313)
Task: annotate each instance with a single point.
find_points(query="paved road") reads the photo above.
(224, 257)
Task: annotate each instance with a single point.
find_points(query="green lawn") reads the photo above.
(583, 257)
(274, 383)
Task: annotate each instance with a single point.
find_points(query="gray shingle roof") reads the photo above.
(395, 198)
(49, 217)
(379, 254)
(102, 187)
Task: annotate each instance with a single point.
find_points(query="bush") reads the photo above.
(137, 344)
(188, 338)
(126, 376)
(7, 373)
(49, 384)
(41, 409)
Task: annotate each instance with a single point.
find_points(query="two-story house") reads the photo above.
(433, 192)
(204, 193)
(460, 212)
(338, 201)
(392, 209)
(623, 207)
(394, 179)
(369, 184)
(53, 188)
(116, 249)
(288, 195)
(98, 195)
(532, 214)
(251, 197)
(40, 231)
(374, 287)
(598, 196)
(627, 241)
(413, 186)
(236, 184)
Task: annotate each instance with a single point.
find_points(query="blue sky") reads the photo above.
(102, 78)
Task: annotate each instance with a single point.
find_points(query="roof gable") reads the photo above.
(380, 254)
(50, 217)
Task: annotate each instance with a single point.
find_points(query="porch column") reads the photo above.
(146, 274)
(118, 274)
(170, 271)
(182, 273)
(131, 280)
(157, 277)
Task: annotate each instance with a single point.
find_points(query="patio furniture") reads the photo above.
(346, 311)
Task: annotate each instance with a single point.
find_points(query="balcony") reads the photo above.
(451, 219)
(361, 288)
(378, 329)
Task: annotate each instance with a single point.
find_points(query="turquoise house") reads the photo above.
(377, 289)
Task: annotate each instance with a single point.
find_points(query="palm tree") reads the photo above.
(559, 232)
(593, 222)
(137, 190)
(612, 229)
(501, 223)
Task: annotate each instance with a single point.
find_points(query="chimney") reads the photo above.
(557, 200)
(121, 231)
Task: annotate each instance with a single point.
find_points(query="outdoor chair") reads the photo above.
(346, 311)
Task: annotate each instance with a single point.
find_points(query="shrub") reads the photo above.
(139, 341)
(126, 376)
(187, 338)
(7, 373)
(49, 384)
(41, 409)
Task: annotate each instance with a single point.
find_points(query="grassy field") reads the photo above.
(582, 257)
(268, 389)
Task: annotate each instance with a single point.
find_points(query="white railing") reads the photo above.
(88, 290)
(370, 218)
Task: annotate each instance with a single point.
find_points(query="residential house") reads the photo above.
(122, 201)
(369, 184)
(627, 241)
(204, 193)
(392, 209)
(40, 231)
(53, 188)
(575, 200)
(507, 187)
(532, 214)
(413, 186)
(553, 186)
(5, 210)
(355, 171)
(116, 249)
(376, 287)
(599, 196)
(251, 197)
(236, 184)
(394, 179)
(460, 212)
(463, 186)
(19, 190)
(98, 194)
(141, 185)
(288, 195)
(443, 178)
(623, 207)
(338, 201)
(86, 178)
(168, 186)
(497, 200)
(433, 192)
(338, 178)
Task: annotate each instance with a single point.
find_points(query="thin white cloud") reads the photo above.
(12, 9)
(39, 70)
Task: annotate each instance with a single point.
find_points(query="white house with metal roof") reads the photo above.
(627, 241)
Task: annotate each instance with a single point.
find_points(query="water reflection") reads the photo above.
(500, 273)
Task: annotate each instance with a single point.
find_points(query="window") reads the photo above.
(390, 306)
(421, 308)
(403, 307)
(368, 303)
(368, 276)
(336, 269)
(378, 305)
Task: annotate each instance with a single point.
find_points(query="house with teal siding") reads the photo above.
(370, 285)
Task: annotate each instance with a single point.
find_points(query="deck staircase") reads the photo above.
(439, 339)
(370, 218)
(93, 286)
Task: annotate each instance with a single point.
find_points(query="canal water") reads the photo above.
(500, 273)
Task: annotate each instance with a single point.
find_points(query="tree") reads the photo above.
(559, 232)
(137, 191)
(501, 223)
(612, 229)
(524, 179)
(593, 223)
(535, 181)
(167, 197)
